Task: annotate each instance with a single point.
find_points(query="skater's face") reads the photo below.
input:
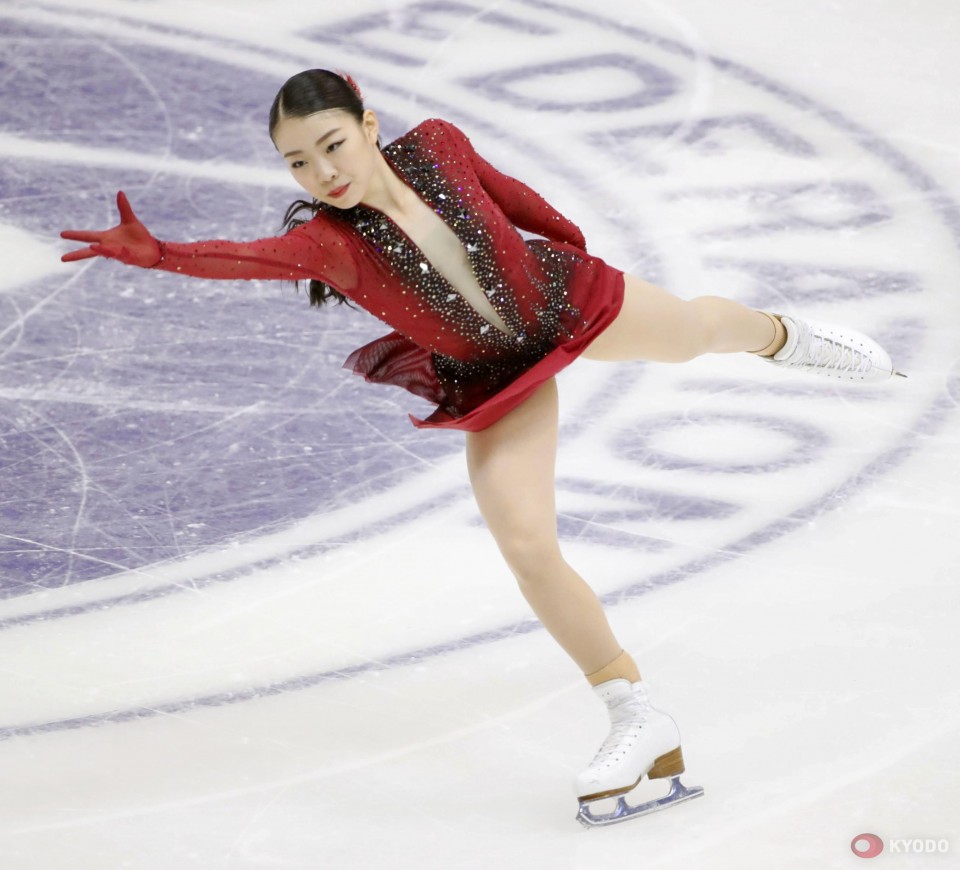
(330, 155)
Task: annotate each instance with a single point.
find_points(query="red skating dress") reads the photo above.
(553, 295)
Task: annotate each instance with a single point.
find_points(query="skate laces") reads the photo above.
(614, 744)
(627, 717)
(827, 353)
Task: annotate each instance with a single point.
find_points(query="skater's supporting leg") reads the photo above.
(655, 325)
(511, 466)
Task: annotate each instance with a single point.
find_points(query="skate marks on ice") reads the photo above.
(128, 350)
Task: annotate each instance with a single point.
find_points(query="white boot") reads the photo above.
(642, 741)
(832, 351)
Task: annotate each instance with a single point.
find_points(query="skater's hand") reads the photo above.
(129, 241)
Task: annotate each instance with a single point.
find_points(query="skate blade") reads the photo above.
(678, 793)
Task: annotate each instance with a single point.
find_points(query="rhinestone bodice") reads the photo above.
(429, 160)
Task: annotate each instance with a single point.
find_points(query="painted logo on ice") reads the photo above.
(148, 419)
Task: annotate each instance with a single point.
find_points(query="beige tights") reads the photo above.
(779, 336)
(622, 667)
(655, 325)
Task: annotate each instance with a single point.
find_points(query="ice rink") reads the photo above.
(250, 617)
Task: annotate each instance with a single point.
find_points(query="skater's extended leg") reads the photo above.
(511, 466)
(658, 326)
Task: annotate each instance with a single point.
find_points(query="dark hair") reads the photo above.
(310, 91)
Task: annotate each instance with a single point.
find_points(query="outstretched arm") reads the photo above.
(301, 254)
(522, 205)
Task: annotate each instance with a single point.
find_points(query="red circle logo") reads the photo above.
(866, 845)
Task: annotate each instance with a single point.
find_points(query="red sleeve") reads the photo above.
(312, 250)
(522, 205)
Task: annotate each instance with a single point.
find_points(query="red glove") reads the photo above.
(129, 241)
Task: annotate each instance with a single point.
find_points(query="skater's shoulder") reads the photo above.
(432, 129)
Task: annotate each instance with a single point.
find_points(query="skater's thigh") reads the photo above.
(653, 324)
(511, 465)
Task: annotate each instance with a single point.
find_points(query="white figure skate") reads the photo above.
(832, 351)
(643, 741)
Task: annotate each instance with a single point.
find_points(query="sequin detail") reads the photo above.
(422, 161)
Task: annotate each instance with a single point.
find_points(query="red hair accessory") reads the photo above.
(349, 79)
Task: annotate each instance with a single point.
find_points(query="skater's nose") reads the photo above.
(326, 172)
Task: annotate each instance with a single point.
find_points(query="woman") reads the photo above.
(424, 235)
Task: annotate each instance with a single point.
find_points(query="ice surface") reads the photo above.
(250, 615)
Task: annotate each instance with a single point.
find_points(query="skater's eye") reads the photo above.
(333, 146)
(298, 164)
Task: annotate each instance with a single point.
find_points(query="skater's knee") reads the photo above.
(701, 326)
(532, 557)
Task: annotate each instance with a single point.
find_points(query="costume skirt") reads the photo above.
(472, 395)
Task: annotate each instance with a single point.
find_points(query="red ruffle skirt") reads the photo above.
(597, 292)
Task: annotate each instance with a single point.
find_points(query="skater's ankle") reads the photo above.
(622, 667)
(779, 336)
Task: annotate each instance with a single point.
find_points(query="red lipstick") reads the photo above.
(339, 191)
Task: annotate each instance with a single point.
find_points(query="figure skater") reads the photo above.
(423, 234)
